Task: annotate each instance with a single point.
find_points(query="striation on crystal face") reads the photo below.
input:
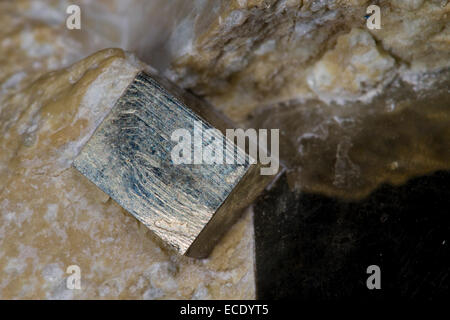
(129, 158)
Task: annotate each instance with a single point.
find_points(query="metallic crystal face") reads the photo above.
(129, 158)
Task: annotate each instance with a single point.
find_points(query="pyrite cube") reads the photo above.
(189, 206)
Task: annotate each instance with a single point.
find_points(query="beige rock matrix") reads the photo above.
(352, 104)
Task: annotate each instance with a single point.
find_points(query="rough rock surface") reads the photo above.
(314, 70)
(50, 216)
(356, 108)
